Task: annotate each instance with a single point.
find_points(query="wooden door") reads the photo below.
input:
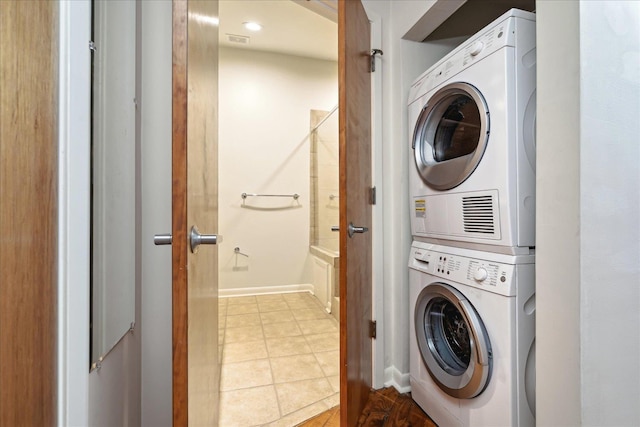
(355, 208)
(195, 195)
(28, 212)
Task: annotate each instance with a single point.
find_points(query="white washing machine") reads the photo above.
(472, 336)
(473, 139)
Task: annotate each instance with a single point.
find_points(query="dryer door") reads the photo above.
(451, 135)
(453, 342)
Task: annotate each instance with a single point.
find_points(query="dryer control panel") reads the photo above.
(487, 274)
(473, 50)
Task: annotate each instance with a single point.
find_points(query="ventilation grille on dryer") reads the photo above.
(477, 212)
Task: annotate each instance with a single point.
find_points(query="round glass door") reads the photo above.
(451, 135)
(453, 342)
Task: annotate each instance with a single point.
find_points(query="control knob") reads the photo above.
(480, 274)
(476, 48)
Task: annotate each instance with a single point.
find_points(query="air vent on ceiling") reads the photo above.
(477, 212)
(234, 38)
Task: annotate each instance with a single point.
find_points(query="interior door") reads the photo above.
(355, 209)
(195, 195)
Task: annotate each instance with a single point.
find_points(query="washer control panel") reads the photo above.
(480, 273)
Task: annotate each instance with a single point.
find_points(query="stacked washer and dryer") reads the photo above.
(472, 284)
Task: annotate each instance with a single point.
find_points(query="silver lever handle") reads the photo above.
(353, 229)
(196, 239)
(335, 228)
(162, 239)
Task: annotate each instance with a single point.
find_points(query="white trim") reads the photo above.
(377, 211)
(396, 379)
(264, 290)
(73, 213)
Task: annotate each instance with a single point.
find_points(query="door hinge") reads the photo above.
(372, 195)
(92, 46)
(373, 54)
(372, 329)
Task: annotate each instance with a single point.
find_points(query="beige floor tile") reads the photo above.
(301, 304)
(295, 368)
(269, 298)
(335, 382)
(248, 407)
(222, 310)
(324, 342)
(309, 314)
(248, 374)
(287, 346)
(297, 395)
(284, 329)
(264, 345)
(276, 317)
(331, 401)
(295, 296)
(244, 333)
(239, 320)
(251, 299)
(318, 326)
(242, 351)
(234, 309)
(329, 362)
(265, 307)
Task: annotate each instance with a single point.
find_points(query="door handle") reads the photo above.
(196, 239)
(162, 239)
(335, 228)
(352, 229)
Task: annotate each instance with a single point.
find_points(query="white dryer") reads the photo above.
(472, 336)
(473, 140)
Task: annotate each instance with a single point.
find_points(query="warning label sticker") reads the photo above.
(420, 208)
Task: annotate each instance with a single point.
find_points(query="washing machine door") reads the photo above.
(451, 135)
(453, 342)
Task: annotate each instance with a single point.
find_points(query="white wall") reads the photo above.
(588, 240)
(265, 102)
(114, 388)
(155, 106)
(73, 215)
(109, 396)
(558, 234)
(113, 173)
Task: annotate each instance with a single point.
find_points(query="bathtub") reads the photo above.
(326, 278)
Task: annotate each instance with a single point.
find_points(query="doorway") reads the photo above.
(279, 341)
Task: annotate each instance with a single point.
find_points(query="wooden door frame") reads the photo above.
(179, 212)
(29, 37)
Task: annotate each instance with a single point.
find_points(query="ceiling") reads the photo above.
(295, 27)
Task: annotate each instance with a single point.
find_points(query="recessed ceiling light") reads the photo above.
(252, 26)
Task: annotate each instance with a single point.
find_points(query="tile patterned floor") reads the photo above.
(279, 360)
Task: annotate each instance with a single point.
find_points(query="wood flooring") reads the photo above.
(384, 408)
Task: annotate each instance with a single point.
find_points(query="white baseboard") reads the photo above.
(264, 290)
(396, 379)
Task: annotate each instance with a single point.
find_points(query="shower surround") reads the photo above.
(325, 208)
